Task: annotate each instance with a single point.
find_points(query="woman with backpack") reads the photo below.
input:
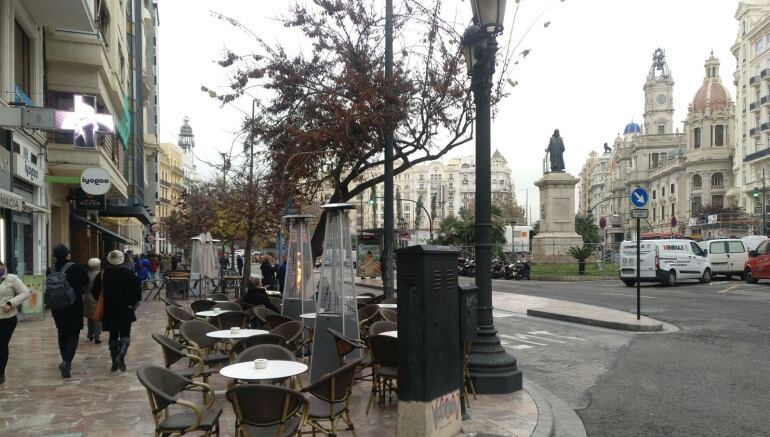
(12, 294)
(122, 293)
(68, 318)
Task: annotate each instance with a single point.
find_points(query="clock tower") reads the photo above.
(659, 97)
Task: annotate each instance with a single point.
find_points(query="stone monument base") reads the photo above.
(553, 246)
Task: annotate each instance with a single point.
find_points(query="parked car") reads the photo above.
(758, 265)
(728, 256)
(664, 261)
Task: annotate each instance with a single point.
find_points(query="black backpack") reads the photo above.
(58, 294)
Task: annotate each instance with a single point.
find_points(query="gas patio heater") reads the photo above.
(336, 302)
(297, 292)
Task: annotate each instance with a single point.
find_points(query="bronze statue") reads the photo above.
(607, 149)
(556, 151)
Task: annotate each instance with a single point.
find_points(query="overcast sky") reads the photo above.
(584, 74)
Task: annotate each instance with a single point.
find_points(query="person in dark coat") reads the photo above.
(239, 263)
(122, 292)
(69, 321)
(282, 275)
(268, 272)
(257, 295)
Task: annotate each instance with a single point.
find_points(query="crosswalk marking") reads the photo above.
(536, 338)
(499, 315)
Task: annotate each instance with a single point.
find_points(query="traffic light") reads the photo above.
(755, 194)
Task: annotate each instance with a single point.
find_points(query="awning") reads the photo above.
(137, 212)
(109, 232)
(34, 208)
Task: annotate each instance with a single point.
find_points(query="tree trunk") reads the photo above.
(247, 257)
(317, 242)
(581, 267)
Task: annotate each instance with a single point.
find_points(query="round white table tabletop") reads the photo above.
(364, 297)
(273, 293)
(275, 369)
(243, 333)
(393, 334)
(210, 313)
(307, 316)
(388, 305)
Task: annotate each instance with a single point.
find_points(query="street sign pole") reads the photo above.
(638, 265)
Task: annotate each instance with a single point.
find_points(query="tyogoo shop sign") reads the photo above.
(95, 181)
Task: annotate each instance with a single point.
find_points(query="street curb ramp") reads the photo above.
(554, 416)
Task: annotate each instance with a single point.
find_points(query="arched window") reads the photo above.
(717, 181)
(696, 181)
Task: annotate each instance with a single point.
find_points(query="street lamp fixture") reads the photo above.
(493, 370)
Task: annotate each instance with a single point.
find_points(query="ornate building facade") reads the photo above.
(682, 171)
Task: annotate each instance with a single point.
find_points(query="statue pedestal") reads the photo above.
(557, 218)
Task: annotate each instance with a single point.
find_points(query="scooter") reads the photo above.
(521, 270)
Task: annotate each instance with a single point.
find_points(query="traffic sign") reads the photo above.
(639, 197)
(639, 213)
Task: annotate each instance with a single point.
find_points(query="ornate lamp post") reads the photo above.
(492, 369)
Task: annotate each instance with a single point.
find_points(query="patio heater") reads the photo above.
(297, 293)
(336, 302)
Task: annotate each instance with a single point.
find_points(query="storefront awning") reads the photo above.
(137, 212)
(104, 230)
(34, 208)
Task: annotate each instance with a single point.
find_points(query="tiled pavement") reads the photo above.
(36, 401)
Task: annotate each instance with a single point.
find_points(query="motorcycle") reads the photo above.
(468, 269)
(521, 270)
(498, 269)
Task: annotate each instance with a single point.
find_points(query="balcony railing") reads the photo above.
(754, 81)
(754, 131)
(764, 126)
(765, 74)
(765, 100)
(754, 106)
(756, 155)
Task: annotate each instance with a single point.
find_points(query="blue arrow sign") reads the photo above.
(639, 197)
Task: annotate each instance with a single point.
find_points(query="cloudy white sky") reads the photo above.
(584, 74)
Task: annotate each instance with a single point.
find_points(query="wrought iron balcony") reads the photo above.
(754, 106)
(754, 81)
(756, 155)
(754, 131)
(764, 126)
(765, 74)
(765, 100)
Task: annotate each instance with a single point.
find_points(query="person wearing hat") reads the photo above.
(89, 303)
(69, 321)
(122, 293)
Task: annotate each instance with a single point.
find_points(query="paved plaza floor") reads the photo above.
(36, 401)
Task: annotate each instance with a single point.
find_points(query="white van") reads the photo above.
(728, 256)
(664, 261)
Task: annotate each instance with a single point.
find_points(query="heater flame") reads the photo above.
(299, 275)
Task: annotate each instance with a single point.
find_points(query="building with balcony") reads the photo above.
(106, 65)
(752, 81)
(170, 188)
(683, 172)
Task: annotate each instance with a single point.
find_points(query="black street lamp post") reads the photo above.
(492, 368)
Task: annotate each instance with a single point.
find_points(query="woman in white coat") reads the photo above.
(12, 294)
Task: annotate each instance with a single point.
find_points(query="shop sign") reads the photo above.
(5, 168)
(28, 171)
(10, 201)
(88, 202)
(95, 181)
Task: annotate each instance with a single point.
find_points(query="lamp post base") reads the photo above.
(492, 369)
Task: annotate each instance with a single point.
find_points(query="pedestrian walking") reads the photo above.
(268, 272)
(174, 263)
(89, 303)
(257, 295)
(224, 262)
(12, 293)
(144, 269)
(129, 261)
(122, 293)
(154, 265)
(69, 319)
(239, 263)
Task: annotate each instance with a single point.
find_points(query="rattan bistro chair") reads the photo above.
(276, 320)
(291, 333)
(346, 345)
(389, 315)
(384, 352)
(163, 389)
(194, 333)
(219, 296)
(256, 340)
(330, 399)
(230, 319)
(366, 316)
(169, 302)
(173, 352)
(267, 410)
(378, 328)
(176, 315)
(201, 305)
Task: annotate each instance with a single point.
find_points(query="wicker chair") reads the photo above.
(169, 302)
(267, 410)
(384, 351)
(389, 315)
(291, 332)
(176, 315)
(378, 328)
(330, 399)
(173, 352)
(256, 340)
(261, 313)
(194, 333)
(390, 300)
(276, 320)
(366, 316)
(229, 319)
(163, 389)
(201, 305)
(219, 296)
(227, 306)
(276, 301)
(347, 345)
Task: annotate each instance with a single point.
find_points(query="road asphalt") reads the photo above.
(710, 378)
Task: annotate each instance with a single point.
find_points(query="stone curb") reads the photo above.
(555, 278)
(621, 326)
(554, 416)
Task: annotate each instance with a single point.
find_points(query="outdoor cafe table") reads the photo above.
(243, 333)
(307, 316)
(276, 369)
(273, 292)
(393, 334)
(210, 313)
(387, 305)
